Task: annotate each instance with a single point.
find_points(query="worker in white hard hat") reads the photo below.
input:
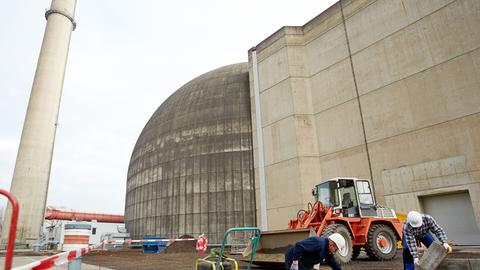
(417, 227)
(314, 250)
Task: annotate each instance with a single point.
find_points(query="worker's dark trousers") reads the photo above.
(407, 256)
(288, 264)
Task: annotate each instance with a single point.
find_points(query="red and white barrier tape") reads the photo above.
(59, 259)
(147, 240)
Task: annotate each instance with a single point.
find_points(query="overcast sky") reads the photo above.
(126, 58)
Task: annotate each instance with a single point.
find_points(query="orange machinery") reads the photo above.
(342, 205)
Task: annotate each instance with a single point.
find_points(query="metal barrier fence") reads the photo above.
(13, 228)
(71, 257)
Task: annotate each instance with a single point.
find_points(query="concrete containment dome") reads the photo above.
(191, 170)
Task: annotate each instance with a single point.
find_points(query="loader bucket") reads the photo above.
(274, 244)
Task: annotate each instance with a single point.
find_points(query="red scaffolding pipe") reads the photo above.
(57, 214)
(13, 228)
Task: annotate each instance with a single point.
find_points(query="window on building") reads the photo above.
(94, 231)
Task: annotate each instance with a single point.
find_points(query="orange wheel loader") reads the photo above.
(345, 206)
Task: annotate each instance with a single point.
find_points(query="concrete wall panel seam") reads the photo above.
(424, 128)
(420, 72)
(406, 26)
(333, 26)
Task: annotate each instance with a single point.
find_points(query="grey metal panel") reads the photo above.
(191, 170)
(454, 212)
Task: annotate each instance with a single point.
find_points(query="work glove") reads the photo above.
(294, 266)
(447, 247)
(416, 261)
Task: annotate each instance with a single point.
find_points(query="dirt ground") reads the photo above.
(135, 259)
(178, 259)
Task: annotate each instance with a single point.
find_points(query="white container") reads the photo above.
(77, 235)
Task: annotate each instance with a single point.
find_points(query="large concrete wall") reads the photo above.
(388, 90)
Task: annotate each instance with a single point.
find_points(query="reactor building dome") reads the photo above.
(191, 171)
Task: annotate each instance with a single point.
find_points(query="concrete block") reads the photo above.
(435, 255)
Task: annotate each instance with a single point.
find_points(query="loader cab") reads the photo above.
(349, 197)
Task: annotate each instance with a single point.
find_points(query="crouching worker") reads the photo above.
(417, 227)
(313, 250)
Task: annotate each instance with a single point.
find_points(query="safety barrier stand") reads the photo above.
(13, 228)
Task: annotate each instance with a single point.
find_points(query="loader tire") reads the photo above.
(381, 243)
(341, 257)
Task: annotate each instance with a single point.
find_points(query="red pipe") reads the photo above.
(13, 228)
(57, 214)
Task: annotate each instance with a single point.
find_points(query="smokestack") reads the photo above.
(34, 158)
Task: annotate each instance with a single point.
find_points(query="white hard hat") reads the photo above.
(339, 241)
(414, 218)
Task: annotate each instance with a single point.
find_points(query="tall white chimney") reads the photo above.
(34, 158)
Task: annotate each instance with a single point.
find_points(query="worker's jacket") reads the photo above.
(412, 234)
(309, 252)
